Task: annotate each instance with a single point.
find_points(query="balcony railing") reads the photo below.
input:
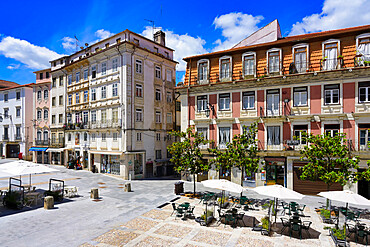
(112, 123)
(57, 142)
(362, 60)
(299, 67)
(5, 137)
(42, 142)
(17, 137)
(331, 64)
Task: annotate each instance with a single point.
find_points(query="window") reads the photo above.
(364, 136)
(114, 65)
(178, 106)
(363, 48)
(18, 133)
(156, 49)
(202, 103)
(273, 100)
(331, 129)
(60, 81)
(138, 136)
(363, 92)
(331, 94)
(39, 135)
(248, 65)
(86, 96)
(300, 59)
(139, 90)
(103, 116)
(202, 70)
(6, 97)
(6, 133)
(39, 95)
(77, 117)
(300, 96)
(93, 94)
(139, 115)
(70, 99)
(93, 137)
(93, 72)
(61, 118)
(60, 99)
(53, 119)
(39, 115)
(167, 54)
(69, 137)
(225, 68)
(46, 135)
(115, 90)
(248, 100)
(18, 95)
(103, 92)
(330, 56)
(158, 94)
(18, 112)
(69, 80)
(85, 137)
(224, 136)
(69, 118)
(93, 116)
(104, 68)
(54, 83)
(169, 118)
(157, 116)
(158, 154)
(136, 41)
(273, 62)
(169, 75)
(203, 132)
(138, 66)
(169, 97)
(158, 72)
(60, 137)
(46, 94)
(273, 135)
(158, 136)
(115, 136)
(224, 101)
(6, 113)
(86, 74)
(85, 117)
(41, 76)
(298, 131)
(53, 101)
(77, 77)
(103, 137)
(46, 114)
(47, 75)
(77, 98)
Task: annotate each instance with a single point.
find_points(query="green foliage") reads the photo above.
(325, 213)
(338, 233)
(224, 199)
(329, 160)
(265, 222)
(206, 214)
(241, 152)
(186, 153)
(13, 200)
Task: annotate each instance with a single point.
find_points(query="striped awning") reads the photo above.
(37, 149)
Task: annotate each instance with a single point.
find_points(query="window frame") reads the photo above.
(103, 92)
(249, 94)
(221, 144)
(158, 94)
(139, 90)
(223, 96)
(158, 117)
(204, 100)
(229, 76)
(249, 54)
(103, 68)
(139, 116)
(323, 47)
(268, 52)
(300, 46)
(326, 88)
(297, 90)
(93, 94)
(199, 62)
(114, 89)
(158, 72)
(86, 74)
(298, 129)
(138, 66)
(114, 64)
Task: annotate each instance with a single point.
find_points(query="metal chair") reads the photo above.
(286, 224)
(296, 226)
(240, 217)
(306, 226)
(230, 218)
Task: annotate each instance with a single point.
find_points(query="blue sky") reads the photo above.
(33, 32)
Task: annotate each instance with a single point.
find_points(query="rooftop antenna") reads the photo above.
(152, 22)
(76, 43)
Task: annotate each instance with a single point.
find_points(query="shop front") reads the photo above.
(110, 164)
(56, 156)
(275, 171)
(40, 155)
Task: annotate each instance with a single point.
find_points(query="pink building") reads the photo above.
(41, 116)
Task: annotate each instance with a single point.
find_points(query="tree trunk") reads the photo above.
(241, 180)
(194, 184)
(327, 200)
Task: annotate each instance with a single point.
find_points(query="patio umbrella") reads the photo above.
(346, 196)
(278, 191)
(5, 174)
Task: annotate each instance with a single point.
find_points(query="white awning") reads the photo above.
(105, 152)
(55, 150)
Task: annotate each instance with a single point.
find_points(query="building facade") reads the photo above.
(119, 105)
(41, 117)
(16, 121)
(316, 83)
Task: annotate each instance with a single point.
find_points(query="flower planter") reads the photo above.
(338, 242)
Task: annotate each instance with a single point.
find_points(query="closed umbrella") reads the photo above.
(346, 196)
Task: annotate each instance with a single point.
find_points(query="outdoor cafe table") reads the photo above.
(32, 198)
(185, 205)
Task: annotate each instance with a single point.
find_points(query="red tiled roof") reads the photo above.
(17, 86)
(6, 84)
(290, 39)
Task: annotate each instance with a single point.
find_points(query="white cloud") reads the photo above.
(335, 14)
(235, 27)
(33, 56)
(69, 44)
(103, 34)
(13, 66)
(183, 44)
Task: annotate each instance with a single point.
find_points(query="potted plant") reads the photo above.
(338, 235)
(340, 56)
(265, 225)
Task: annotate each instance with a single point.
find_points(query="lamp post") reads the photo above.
(207, 111)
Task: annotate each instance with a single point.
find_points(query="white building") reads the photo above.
(16, 121)
(119, 104)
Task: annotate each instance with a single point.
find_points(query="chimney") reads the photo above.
(160, 37)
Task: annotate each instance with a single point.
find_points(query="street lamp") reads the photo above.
(207, 110)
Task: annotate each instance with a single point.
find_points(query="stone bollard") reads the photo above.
(48, 202)
(127, 187)
(94, 193)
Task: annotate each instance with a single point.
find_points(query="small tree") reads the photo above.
(329, 160)
(186, 153)
(241, 152)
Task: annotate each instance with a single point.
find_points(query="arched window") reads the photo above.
(46, 114)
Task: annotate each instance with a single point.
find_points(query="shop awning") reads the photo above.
(105, 152)
(55, 150)
(37, 149)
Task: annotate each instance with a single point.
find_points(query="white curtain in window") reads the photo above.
(364, 49)
(331, 55)
(277, 135)
(300, 61)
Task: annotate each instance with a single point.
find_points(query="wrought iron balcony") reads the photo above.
(42, 142)
(111, 123)
(331, 63)
(57, 142)
(6, 137)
